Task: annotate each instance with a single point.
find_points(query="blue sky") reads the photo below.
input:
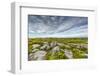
(57, 26)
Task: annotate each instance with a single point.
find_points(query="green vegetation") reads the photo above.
(78, 47)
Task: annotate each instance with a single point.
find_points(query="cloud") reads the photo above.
(51, 26)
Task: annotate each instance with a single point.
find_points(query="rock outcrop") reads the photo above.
(40, 51)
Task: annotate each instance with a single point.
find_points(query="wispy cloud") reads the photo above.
(57, 26)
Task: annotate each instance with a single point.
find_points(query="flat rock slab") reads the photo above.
(39, 55)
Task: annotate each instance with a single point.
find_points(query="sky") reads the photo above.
(57, 26)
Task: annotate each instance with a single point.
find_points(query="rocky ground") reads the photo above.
(55, 50)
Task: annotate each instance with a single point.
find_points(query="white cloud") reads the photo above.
(47, 26)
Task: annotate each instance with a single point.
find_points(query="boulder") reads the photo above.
(35, 46)
(45, 47)
(39, 55)
(31, 56)
(53, 44)
(34, 50)
(60, 44)
(55, 49)
(86, 55)
(45, 42)
(68, 54)
(82, 46)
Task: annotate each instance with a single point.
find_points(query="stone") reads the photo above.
(31, 56)
(45, 42)
(55, 49)
(82, 46)
(86, 55)
(34, 50)
(35, 46)
(40, 55)
(61, 44)
(68, 54)
(53, 44)
(45, 47)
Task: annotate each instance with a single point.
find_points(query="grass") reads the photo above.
(77, 52)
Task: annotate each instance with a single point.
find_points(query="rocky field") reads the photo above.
(57, 48)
